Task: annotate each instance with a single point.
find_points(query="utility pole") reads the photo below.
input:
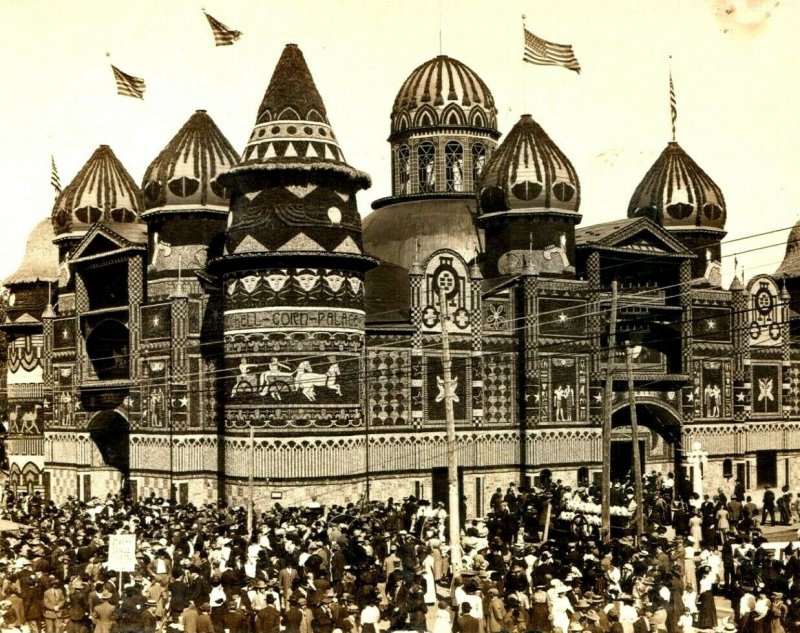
(452, 458)
(250, 484)
(605, 517)
(637, 471)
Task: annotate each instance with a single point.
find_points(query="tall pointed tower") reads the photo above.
(292, 271)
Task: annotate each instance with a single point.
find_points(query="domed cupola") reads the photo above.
(184, 174)
(680, 196)
(444, 129)
(103, 191)
(443, 92)
(678, 193)
(529, 172)
(529, 199)
(187, 206)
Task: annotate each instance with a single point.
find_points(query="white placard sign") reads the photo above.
(122, 552)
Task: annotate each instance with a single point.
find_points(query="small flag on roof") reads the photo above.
(54, 179)
(544, 53)
(223, 36)
(128, 85)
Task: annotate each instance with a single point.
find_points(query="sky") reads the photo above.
(734, 63)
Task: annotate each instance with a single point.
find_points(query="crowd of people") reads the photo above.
(385, 565)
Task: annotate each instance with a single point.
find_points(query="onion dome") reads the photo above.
(677, 193)
(40, 263)
(184, 174)
(528, 172)
(790, 267)
(443, 92)
(292, 132)
(103, 191)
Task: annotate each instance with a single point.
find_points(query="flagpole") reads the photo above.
(524, 74)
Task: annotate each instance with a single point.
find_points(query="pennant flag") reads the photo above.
(128, 85)
(673, 105)
(54, 179)
(223, 36)
(544, 53)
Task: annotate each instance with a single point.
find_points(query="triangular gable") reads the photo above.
(642, 236)
(101, 240)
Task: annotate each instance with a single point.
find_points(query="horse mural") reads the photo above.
(278, 380)
(306, 380)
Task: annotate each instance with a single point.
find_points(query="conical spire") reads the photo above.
(103, 190)
(292, 88)
(292, 134)
(185, 171)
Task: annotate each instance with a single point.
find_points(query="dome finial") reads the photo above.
(673, 104)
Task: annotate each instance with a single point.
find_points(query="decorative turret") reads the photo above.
(789, 269)
(529, 200)
(293, 267)
(103, 191)
(187, 207)
(680, 196)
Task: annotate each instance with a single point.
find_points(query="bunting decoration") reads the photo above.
(544, 53)
(128, 85)
(223, 36)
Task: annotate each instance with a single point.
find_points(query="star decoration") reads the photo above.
(156, 321)
(64, 334)
(690, 397)
(740, 396)
(562, 317)
(598, 397)
(46, 403)
(537, 397)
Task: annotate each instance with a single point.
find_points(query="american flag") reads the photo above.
(54, 179)
(673, 105)
(539, 51)
(128, 85)
(223, 36)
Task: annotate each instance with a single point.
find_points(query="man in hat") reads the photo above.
(466, 622)
(148, 620)
(323, 617)
(189, 618)
(53, 603)
(268, 619)
(495, 611)
(104, 613)
(204, 623)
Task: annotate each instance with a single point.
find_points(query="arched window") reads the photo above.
(403, 176)
(426, 167)
(478, 163)
(454, 166)
(727, 468)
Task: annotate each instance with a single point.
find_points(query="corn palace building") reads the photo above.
(231, 315)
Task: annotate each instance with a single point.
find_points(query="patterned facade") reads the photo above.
(234, 317)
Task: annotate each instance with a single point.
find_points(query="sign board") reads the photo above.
(122, 552)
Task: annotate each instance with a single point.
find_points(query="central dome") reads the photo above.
(443, 92)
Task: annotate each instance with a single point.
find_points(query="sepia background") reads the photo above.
(734, 65)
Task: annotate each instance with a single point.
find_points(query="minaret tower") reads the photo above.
(292, 272)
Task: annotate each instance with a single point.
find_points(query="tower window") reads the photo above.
(563, 191)
(680, 210)
(478, 162)
(426, 167)
(454, 166)
(403, 175)
(712, 211)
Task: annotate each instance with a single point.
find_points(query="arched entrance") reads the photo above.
(659, 439)
(110, 432)
(107, 347)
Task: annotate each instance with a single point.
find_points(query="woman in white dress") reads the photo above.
(430, 584)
